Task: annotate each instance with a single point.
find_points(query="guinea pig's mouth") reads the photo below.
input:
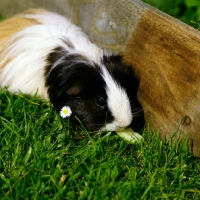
(121, 128)
(111, 128)
(115, 126)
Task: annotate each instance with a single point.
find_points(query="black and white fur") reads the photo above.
(56, 58)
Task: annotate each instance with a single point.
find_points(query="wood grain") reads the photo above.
(166, 57)
(163, 51)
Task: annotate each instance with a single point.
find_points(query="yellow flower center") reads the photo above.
(65, 111)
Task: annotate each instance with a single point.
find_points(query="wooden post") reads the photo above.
(164, 52)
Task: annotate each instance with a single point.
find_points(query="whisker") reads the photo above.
(136, 109)
(137, 112)
(140, 109)
(136, 115)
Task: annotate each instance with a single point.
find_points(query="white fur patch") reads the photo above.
(118, 103)
(24, 58)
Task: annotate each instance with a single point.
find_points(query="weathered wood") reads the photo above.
(166, 56)
(164, 53)
(109, 23)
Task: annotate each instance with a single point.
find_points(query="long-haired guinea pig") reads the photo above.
(44, 52)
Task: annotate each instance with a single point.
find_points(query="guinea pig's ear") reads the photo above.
(77, 78)
(69, 74)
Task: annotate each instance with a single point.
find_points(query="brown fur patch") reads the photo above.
(12, 26)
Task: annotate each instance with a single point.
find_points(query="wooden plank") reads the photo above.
(167, 60)
(109, 23)
(163, 51)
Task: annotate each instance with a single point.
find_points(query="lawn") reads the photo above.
(43, 157)
(187, 11)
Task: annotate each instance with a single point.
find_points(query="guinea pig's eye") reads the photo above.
(100, 101)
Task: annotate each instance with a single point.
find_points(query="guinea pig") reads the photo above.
(45, 52)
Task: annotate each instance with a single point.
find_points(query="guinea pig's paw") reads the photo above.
(65, 112)
(130, 136)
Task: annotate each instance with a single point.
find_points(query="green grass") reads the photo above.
(187, 11)
(43, 157)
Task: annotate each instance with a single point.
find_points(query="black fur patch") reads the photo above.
(76, 82)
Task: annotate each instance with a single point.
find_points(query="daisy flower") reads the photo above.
(65, 112)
